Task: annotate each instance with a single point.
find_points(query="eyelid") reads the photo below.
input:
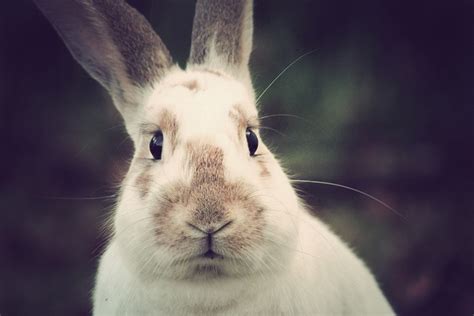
(253, 123)
(149, 129)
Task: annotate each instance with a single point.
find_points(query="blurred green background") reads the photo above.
(384, 104)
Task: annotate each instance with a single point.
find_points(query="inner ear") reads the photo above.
(115, 45)
(222, 36)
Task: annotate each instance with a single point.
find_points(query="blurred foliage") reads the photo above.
(383, 104)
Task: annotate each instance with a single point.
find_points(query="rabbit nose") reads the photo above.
(210, 229)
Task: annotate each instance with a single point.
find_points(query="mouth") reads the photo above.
(208, 265)
(211, 254)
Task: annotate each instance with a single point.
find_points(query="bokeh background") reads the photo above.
(384, 104)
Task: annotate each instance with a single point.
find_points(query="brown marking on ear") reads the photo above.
(222, 28)
(145, 56)
(169, 125)
(112, 41)
(143, 181)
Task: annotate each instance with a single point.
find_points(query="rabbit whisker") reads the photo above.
(273, 130)
(80, 198)
(283, 72)
(283, 115)
(354, 190)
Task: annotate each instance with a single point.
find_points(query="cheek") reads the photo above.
(281, 212)
(245, 237)
(276, 189)
(249, 224)
(282, 233)
(162, 219)
(132, 222)
(133, 219)
(167, 221)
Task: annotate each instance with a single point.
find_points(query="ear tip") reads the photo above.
(113, 42)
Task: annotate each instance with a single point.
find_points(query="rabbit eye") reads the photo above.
(156, 145)
(252, 141)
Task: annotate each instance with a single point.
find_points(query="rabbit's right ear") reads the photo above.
(222, 36)
(114, 43)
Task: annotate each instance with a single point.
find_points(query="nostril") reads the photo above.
(209, 229)
(195, 227)
(220, 228)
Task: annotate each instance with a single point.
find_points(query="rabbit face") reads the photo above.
(206, 203)
(207, 208)
(204, 199)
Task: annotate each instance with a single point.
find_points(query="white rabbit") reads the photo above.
(207, 221)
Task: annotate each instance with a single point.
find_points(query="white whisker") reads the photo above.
(283, 72)
(351, 189)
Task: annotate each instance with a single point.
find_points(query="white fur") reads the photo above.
(270, 256)
(300, 267)
(324, 278)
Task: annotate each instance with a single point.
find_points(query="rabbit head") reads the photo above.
(204, 197)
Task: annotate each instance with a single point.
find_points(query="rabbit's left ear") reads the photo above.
(222, 36)
(115, 45)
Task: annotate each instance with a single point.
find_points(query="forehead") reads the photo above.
(201, 101)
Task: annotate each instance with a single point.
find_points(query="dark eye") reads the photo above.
(156, 145)
(252, 141)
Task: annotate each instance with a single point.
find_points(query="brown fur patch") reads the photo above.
(145, 57)
(225, 22)
(214, 72)
(143, 181)
(169, 125)
(264, 172)
(208, 201)
(239, 116)
(209, 187)
(208, 163)
(192, 85)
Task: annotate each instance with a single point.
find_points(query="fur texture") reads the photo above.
(222, 37)
(209, 229)
(115, 45)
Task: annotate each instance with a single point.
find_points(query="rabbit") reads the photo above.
(206, 222)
